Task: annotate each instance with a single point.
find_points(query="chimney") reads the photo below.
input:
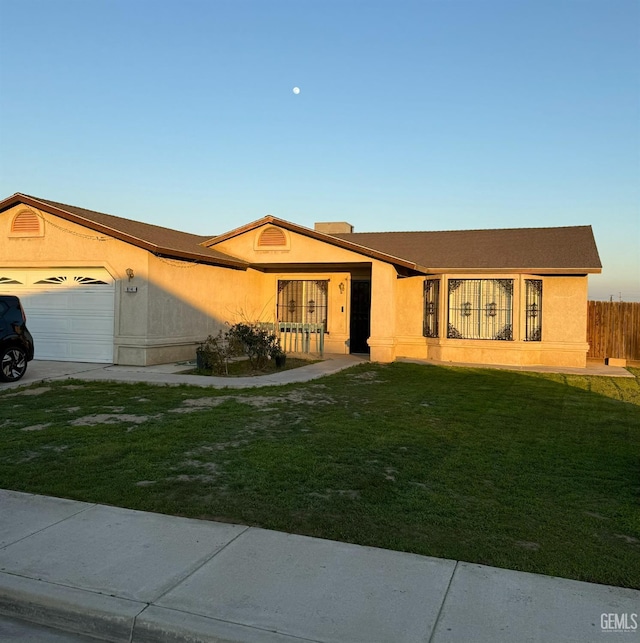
(333, 227)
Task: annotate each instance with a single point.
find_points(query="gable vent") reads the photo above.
(26, 223)
(272, 237)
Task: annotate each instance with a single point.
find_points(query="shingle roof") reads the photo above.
(565, 249)
(568, 250)
(156, 239)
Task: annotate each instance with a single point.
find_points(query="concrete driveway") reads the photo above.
(40, 369)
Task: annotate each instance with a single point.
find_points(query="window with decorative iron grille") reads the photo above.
(533, 318)
(303, 301)
(480, 309)
(431, 307)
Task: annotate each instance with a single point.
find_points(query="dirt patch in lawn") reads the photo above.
(111, 418)
(37, 427)
(257, 401)
(30, 391)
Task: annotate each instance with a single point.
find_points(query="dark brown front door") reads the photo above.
(360, 316)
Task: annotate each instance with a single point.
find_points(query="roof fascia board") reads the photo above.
(523, 271)
(17, 199)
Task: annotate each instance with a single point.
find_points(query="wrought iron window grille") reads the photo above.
(303, 301)
(480, 309)
(533, 310)
(431, 307)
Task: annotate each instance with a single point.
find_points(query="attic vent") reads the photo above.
(26, 223)
(272, 237)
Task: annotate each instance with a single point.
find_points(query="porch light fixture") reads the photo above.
(341, 287)
(130, 274)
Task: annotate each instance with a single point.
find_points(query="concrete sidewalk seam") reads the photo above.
(135, 620)
(53, 524)
(244, 626)
(444, 599)
(4, 572)
(191, 572)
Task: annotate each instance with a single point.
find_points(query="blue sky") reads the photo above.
(429, 115)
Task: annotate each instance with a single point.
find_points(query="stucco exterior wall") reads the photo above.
(182, 302)
(168, 306)
(564, 324)
(175, 304)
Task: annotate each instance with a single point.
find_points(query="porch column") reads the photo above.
(382, 341)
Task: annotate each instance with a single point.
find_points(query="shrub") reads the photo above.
(258, 344)
(215, 352)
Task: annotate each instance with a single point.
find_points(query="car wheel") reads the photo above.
(13, 364)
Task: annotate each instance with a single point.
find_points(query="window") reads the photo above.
(431, 307)
(303, 301)
(480, 309)
(533, 318)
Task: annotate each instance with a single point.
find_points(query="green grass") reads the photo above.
(526, 471)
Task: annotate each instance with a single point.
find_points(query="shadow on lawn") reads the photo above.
(519, 470)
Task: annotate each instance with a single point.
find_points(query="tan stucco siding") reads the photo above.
(564, 307)
(409, 308)
(384, 301)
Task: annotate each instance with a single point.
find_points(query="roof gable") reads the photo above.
(334, 240)
(156, 239)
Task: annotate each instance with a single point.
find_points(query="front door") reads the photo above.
(360, 316)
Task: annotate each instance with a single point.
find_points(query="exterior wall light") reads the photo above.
(130, 274)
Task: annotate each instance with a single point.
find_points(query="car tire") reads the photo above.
(13, 363)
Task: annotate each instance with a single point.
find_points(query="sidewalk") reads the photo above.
(123, 575)
(170, 374)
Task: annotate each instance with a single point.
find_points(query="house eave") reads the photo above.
(319, 236)
(161, 251)
(526, 271)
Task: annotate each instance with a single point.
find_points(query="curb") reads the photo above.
(108, 618)
(118, 620)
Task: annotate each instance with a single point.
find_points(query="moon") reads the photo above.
(296, 90)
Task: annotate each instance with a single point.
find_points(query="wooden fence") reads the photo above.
(613, 329)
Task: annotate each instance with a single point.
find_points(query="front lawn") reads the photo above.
(519, 470)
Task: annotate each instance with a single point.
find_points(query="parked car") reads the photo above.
(16, 343)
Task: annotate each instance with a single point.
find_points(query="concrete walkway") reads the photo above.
(171, 374)
(123, 575)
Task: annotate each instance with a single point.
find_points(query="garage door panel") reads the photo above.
(69, 320)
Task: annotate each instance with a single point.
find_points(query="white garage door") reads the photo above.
(70, 311)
